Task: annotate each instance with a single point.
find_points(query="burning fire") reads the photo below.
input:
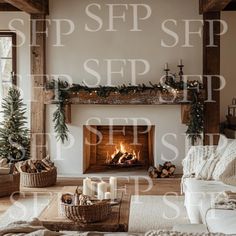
(122, 157)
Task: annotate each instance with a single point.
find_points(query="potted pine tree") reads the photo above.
(14, 139)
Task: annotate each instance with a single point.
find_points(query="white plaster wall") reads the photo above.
(20, 21)
(228, 58)
(123, 44)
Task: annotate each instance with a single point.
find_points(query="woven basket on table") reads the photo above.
(87, 214)
(9, 184)
(39, 180)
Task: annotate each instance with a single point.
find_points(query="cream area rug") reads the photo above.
(24, 209)
(156, 213)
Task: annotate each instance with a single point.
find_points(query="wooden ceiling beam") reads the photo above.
(231, 6)
(213, 5)
(30, 6)
(7, 7)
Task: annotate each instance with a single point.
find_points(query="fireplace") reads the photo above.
(117, 148)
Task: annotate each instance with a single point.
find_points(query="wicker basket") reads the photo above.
(97, 212)
(39, 180)
(9, 184)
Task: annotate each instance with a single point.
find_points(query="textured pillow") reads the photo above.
(195, 156)
(205, 169)
(229, 175)
(222, 145)
(228, 156)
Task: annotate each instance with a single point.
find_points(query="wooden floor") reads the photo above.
(132, 185)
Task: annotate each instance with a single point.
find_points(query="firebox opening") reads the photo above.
(118, 148)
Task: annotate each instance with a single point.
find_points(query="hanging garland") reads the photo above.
(59, 118)
(196, 122)
(63, 91)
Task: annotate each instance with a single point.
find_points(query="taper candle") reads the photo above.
(166, 66)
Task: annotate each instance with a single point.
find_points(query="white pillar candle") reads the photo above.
(180, 62)
(102, 188)
(107, 195)
(87, 186)
(93, 188)
(113, 187)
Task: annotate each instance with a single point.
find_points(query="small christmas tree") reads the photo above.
(14, 136)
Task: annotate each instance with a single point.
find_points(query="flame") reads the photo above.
(122, 149)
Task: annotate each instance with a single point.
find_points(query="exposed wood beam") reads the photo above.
(7, 7)
(213, 5)
(38, 72)
(30, 6)
(211, 66)
(231, 6)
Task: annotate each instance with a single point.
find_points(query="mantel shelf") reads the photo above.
(144, 98)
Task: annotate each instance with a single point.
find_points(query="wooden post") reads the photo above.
(38, 73)
(211, 66)
(68, 119)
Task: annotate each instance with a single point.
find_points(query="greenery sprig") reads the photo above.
(59, 118)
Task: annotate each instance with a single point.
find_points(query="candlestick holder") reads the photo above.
(169, 79)
(181, 73)
(167, 70)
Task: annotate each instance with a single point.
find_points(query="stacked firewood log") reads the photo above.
(162, 171)
(35, 166)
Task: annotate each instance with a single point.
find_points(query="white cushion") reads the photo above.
(198, 193)
(221, 221)
(228, 156)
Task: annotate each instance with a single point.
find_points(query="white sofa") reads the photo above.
(201, 194)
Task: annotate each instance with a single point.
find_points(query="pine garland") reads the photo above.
(60, 126)
(63, 90)
(14, 136)
(196, 123)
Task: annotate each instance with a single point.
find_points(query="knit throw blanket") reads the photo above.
(172, 233)
(226, 200)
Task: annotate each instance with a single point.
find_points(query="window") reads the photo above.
(7, 61)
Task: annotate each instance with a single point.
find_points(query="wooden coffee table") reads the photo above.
(52, 218)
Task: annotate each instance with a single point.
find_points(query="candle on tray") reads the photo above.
(113, 187)
(87, 186)
(107, 195)
(102, 189)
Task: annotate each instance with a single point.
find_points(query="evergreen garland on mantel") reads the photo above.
(63, 90)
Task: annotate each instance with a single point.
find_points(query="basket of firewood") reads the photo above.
(37, 173)
(81, 208)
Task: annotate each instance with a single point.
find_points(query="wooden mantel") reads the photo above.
(143, 98)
